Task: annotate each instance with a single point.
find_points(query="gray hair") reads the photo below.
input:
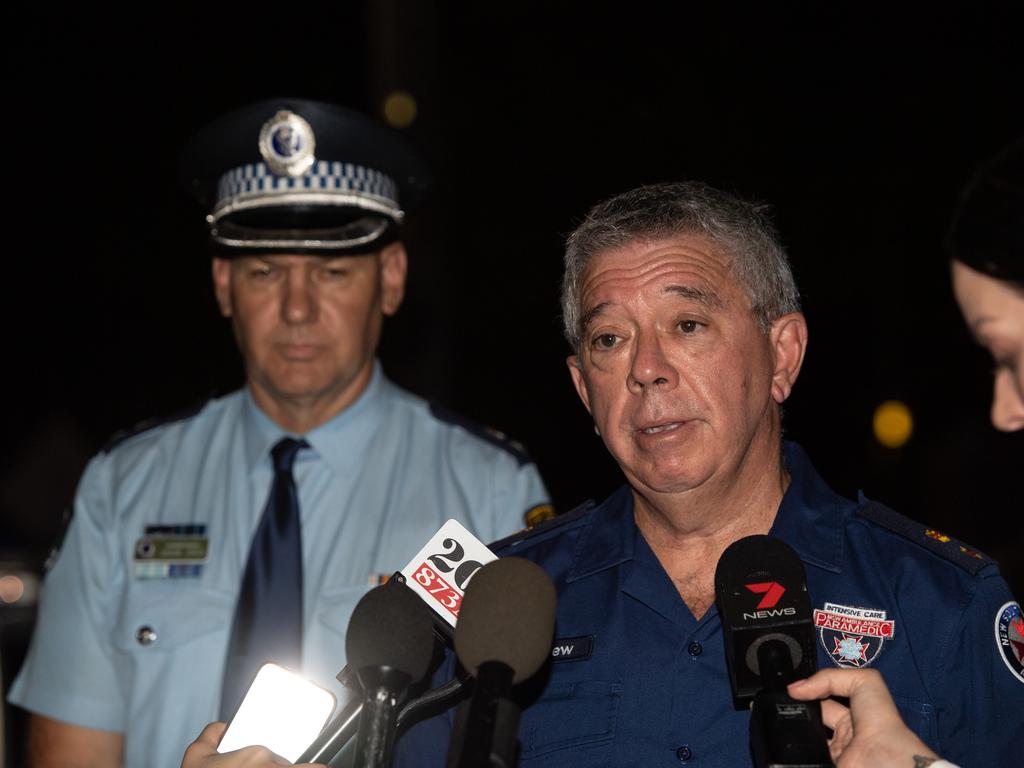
(742, 229)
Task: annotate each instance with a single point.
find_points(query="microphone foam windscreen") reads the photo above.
(507, 615)
(390, 627)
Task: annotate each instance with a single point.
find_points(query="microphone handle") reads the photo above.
(492, 721)
(335, 736)
(786, 733)
(376, 728)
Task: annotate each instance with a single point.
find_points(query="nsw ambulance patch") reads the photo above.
(1010, 638)
(852, 637)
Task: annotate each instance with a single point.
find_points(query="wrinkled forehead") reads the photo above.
(686, 266)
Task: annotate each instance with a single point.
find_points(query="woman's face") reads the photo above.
(994, 311)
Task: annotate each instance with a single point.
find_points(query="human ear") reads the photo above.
(221, 271)
(394, 266)
(788, 338)
(576, 371)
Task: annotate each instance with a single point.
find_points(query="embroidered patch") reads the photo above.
(852, 637)
(1010, 638)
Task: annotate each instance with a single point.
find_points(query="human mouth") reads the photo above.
(659, 428)
(298, 351)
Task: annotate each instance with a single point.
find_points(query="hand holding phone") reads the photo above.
(281, 711)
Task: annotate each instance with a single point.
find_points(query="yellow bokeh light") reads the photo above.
(11, 588)
(400, 109)
(893, 424)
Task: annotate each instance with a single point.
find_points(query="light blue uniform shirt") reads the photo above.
(377, 482)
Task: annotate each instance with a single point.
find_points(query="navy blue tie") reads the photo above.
(268, 617)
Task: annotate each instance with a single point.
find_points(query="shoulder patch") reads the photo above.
(943, 545)
(1009, 626)
(147, 424)
(538, 514)
(487, 434)
(553, 523)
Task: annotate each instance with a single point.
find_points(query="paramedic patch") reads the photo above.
(852, 637)
(1010, 638)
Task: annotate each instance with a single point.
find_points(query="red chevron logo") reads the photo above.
(771, 590)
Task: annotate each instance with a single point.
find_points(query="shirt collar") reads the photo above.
(810, 517)
(340, 442)
(809, 520)
(610, 536)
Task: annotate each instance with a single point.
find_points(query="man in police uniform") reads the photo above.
(153, 587)
(687, 338)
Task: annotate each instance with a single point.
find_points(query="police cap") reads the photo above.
(297, 176)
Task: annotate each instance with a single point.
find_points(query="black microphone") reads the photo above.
(761, 591)
(389, 644)
(503, 636)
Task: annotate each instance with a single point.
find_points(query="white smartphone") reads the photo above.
(281, 711)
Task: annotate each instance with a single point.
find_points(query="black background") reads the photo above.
(857, 123)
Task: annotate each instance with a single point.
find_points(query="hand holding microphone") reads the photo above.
(870, 733)
(761, 591)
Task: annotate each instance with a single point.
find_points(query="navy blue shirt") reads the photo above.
(653, 689)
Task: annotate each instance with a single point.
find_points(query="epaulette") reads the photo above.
(487, 434)
(557, 521)
(147, 424)
(943, 545)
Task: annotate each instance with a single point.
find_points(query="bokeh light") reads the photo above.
(11, 588)
(893, 424)
(400, 109)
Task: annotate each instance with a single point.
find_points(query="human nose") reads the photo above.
(299, 303)
(650, 365)
(1007, 402)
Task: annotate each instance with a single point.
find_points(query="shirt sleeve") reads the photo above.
(980, 719)
(69, 673)
(518, 489)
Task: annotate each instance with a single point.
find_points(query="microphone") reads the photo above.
(506, 625)
(761, 591)
(389, 644)
(438, 574)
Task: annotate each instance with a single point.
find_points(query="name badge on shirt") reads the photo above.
(171, 552)
(572, 648)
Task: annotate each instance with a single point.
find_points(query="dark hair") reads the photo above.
(740, 228)
(987, 233)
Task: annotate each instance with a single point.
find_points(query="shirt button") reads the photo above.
(684, 753)
(695, 648)
(145, 635)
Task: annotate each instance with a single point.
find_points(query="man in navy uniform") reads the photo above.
(687, 337)
(247, 531)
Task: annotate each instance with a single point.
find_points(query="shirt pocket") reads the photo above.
(580, 715)
(918, 716)
(160, 618)
(324, 647)
(171, 639)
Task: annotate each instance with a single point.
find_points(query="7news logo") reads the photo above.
(772, 592)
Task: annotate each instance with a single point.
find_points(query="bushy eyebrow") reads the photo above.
(709, 299)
